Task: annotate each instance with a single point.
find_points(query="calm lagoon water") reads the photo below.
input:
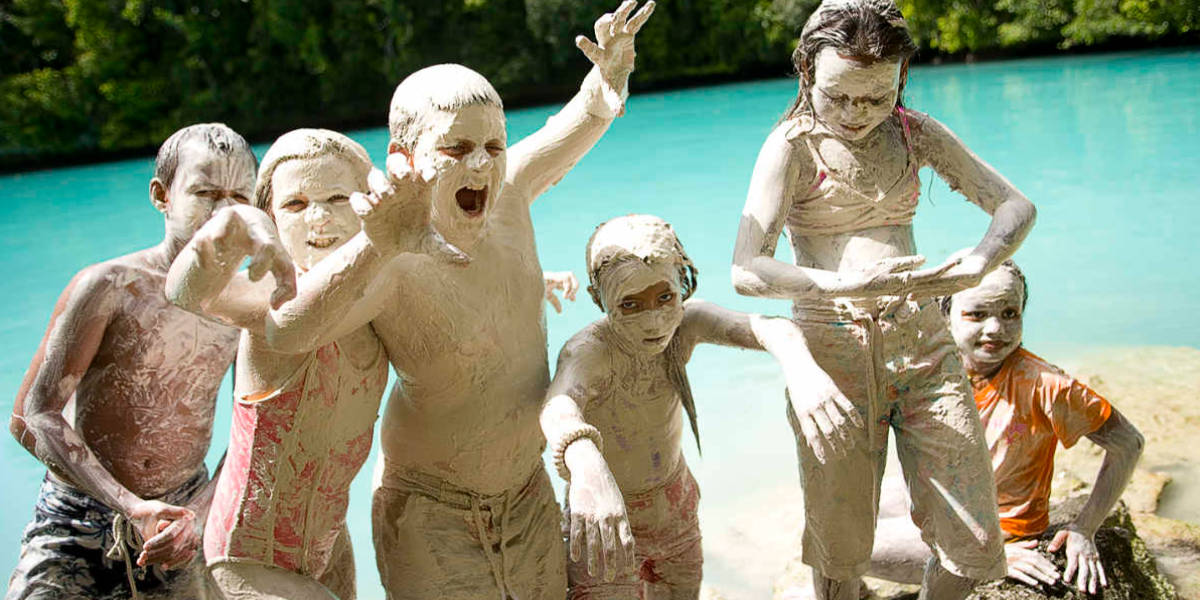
(1107, 146)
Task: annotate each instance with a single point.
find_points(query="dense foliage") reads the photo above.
(89, 77)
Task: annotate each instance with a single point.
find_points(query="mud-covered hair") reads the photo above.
(447, 87)
(1012, 268)
(218, 137)
(307, 143)
(658, 243)
(863, 30)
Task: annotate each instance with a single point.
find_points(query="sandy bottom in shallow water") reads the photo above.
(751, 543)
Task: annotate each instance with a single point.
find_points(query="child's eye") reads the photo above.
(295, 205)
(241, 199)
(1010, 314)
(339, 199)
(666, 297)
(494, 149)
(973, 315)
(629, 305)
(456, 151)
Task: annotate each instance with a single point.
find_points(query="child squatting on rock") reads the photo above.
(1027, 406)
(840, 173)
(126, 480)
(631, 502)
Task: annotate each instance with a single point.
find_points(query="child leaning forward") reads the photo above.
(623, 379)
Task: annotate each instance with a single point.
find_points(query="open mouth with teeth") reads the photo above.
(321, 242)
(472, 201)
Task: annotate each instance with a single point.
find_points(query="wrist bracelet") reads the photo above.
(568, 438)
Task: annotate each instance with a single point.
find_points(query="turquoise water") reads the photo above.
(1107, 146)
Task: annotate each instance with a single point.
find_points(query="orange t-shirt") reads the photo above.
(1027, 408)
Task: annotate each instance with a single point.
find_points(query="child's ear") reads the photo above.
(595, 294)
(158, 195)
(394, 147)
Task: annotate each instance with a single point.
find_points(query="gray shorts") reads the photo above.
(64, 551)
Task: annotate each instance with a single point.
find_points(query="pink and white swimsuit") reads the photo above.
(282, 495)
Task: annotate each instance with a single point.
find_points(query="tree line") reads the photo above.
(83, 79)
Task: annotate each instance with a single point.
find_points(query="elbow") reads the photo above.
(1137, 444)
(745, 282)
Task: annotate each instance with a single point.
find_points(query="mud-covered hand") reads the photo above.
(613, 52)
(1083, 560)
(169, 533)
(397, 212)
(963, 270)
(599, 525)
(238, 231)
(828, 420)
(563, 281)
(1027, 565)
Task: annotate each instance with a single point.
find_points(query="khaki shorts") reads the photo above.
(899, 367)
(436, 540)
(666, 532)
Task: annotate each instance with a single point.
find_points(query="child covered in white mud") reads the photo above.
(613, 412)
(305, 414)
(839, 172)
(1027, 407)
(125, 476)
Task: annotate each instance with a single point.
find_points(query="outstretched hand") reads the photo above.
(239, 231)
(599, 524)
(397, 212)
(613, 52)
(828, 420)
(169, 534)
(1083, 560)
(563, 281)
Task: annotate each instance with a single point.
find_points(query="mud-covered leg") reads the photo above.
(825, 588)
(940, 584)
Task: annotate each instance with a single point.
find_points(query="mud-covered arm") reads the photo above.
(1013, 215)
(599, 525)
(1122, 444)
(542, 159)
(349, 288)
(76, 330)
(756, 271)
(204, 277)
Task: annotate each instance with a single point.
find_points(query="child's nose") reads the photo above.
(479, 159)
(317, 213)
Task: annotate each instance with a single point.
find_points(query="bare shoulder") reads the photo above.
(586, 358)
(785, 149)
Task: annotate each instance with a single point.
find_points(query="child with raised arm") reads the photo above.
(1027, 407)
(463, 506)
(613, 414)
(840, 173)
(125, 478)
(304, 416)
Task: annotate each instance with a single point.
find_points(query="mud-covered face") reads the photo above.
(467, 150)
(310, 200)
(986, 321)
(851, 98)
(645, 317)
(206, 180)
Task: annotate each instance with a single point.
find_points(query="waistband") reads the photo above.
(179, 495)
(845, 310)
(451, 494)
